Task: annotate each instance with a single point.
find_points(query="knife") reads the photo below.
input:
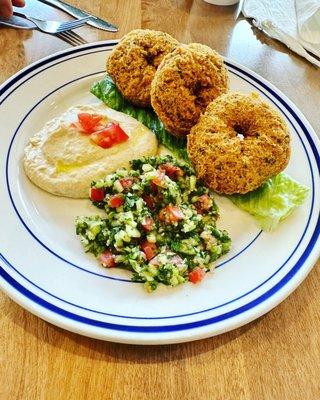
(76, 12)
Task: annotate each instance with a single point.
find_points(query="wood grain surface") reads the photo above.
(275, 357)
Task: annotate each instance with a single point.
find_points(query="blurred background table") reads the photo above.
(275, 357)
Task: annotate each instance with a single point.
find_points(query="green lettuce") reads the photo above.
(269, 205)
(275, 200)
(107, 91)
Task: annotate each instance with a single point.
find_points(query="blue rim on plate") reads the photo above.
(260, 85)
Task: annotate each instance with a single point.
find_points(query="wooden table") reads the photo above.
(275, 357)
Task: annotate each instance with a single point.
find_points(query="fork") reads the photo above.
(54, 27)
(71, 37)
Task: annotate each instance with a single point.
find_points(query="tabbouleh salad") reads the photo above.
(159, 223)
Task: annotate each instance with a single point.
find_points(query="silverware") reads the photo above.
(54, 27)
(17, 22)
(76, 12)
(69, 37)
(72, 38)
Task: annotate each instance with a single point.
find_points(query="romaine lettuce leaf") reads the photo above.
(107, 91)
(275, 200)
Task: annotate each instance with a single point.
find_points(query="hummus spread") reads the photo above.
(64, 161)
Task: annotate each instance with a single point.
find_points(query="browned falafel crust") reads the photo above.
(187, 80)
(239, 143)
(134, 61)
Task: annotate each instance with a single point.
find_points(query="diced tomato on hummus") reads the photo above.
(109, 136)
(90, 122)
(104, 136)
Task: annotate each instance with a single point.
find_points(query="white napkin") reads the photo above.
(308, 15)
(296, 23)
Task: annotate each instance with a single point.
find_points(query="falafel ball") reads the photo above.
(133, 62)
(239, 143)
(187, 80)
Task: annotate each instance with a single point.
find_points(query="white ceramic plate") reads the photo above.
(44, 268)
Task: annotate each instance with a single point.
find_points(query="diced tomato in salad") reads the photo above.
(175, 213)
(159, 179)
(116, 201)
(171, 170)
(196, 275)
(149, 249)
(109, 136)
(162, 229)
(97, 194)
(150, 202)
(126, 183)
(147, 224)
(171, 214)
(204, 203)
(107, 259)
(90, 122)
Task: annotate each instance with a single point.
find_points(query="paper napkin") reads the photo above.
(296, 23)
